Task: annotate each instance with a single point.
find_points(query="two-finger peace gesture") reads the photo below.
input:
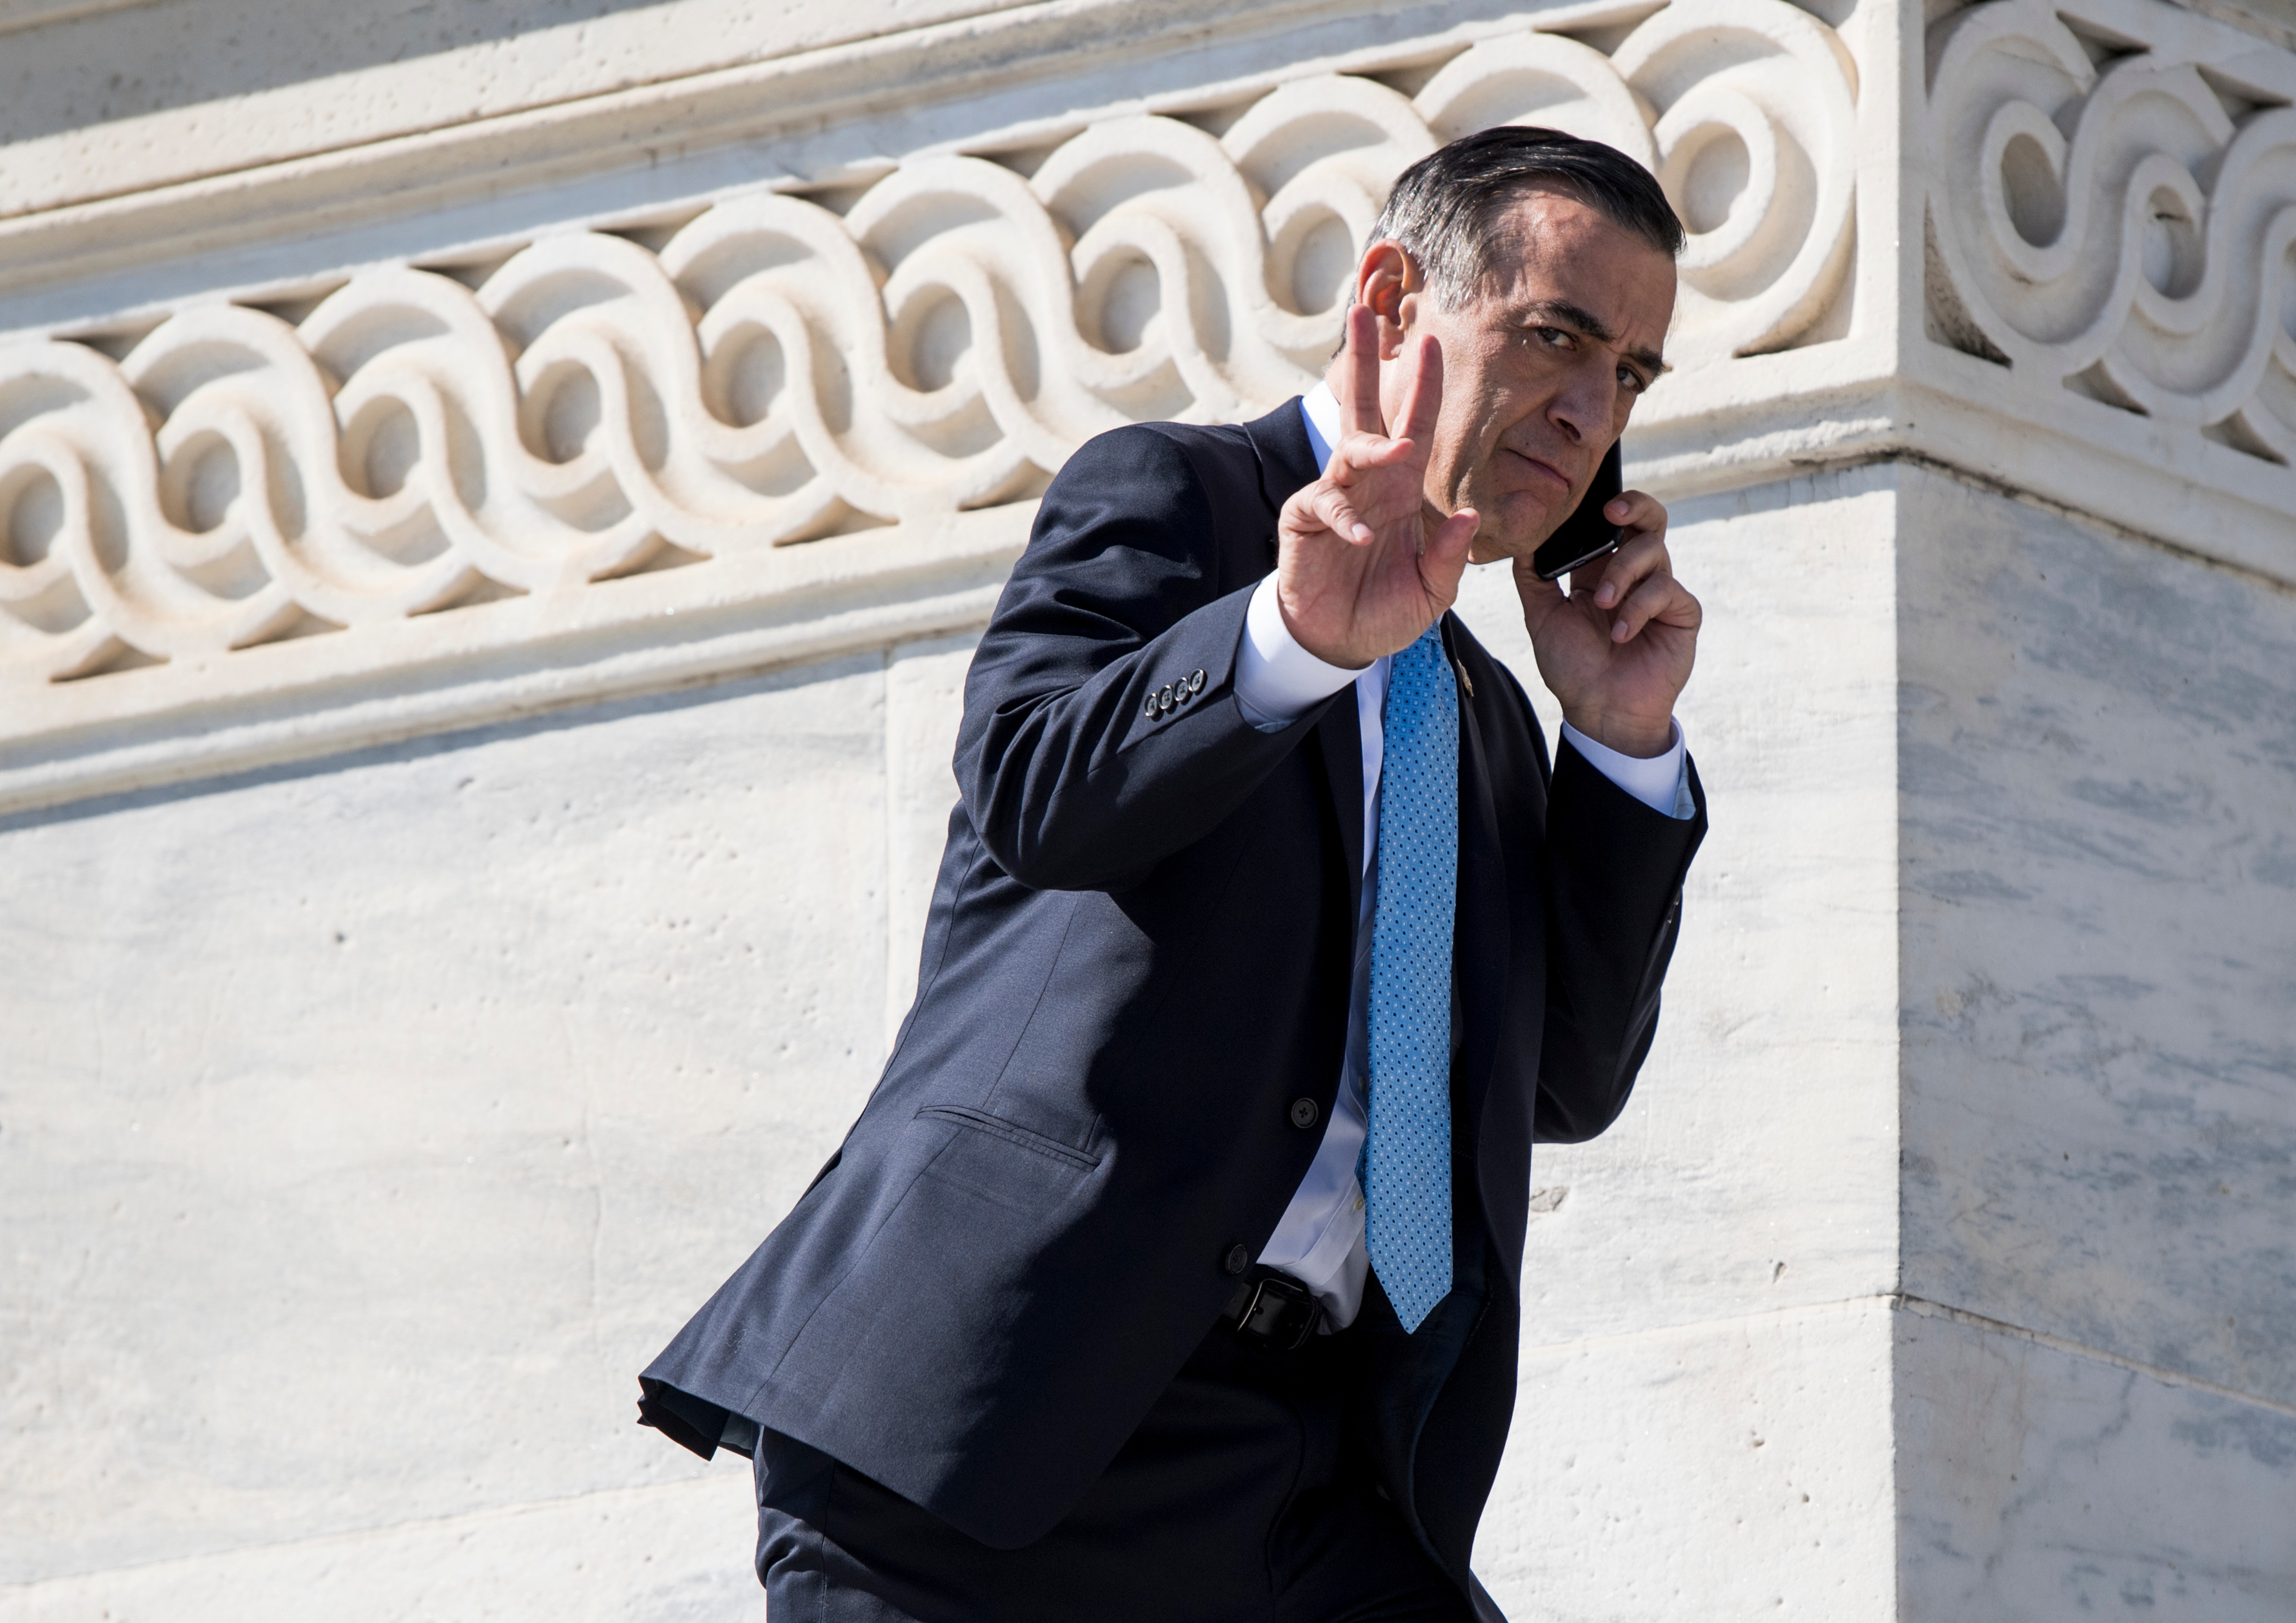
(1365, 563)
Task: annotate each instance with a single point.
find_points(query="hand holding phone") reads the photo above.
(1615, 649)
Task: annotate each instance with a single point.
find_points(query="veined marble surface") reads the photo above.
(2098, 774)
(2038, 1483)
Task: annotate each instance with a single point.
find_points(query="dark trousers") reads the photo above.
(1243, 1496)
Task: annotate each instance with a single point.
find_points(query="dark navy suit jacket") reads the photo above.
(1137, 959)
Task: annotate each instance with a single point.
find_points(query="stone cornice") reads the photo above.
(770, 427)
(421, 497)
(261, 706)
(776, 120)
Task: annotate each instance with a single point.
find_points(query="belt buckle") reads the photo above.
(1281, 1316)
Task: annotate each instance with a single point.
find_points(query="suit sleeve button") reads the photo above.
(1196, 682)
(1304, 1112)
(1164, 699)
(1150, 710)
(1236, 1260)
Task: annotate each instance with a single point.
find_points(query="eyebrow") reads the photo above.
(1562, 312)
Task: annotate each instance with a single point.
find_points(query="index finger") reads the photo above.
(1362, 404)
(1636, 510)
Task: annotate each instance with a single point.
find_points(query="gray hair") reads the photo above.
(1448, 210)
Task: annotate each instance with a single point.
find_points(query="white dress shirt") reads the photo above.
(1319, 1239)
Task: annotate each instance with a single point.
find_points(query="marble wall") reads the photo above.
(496, 504)
(2038, 1480)
(2097, 758)
(1704, 1298)
(2098, 751)
(367, 1126)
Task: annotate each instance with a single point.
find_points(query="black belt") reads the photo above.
(1275, 1312)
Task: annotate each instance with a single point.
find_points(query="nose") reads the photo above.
(1582, 408)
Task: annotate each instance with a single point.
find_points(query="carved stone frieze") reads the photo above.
(676, 403)
(2112, 210)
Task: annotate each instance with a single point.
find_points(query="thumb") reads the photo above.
(1445, 557)
(1539, 597)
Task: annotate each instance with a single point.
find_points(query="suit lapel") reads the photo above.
(1482, 933)
(1339, 736)
(1287, 459)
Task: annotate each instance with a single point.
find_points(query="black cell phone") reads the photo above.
(1585, 535)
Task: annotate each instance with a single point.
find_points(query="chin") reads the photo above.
(1513, 541)
(1514, 523)
(1525, 520)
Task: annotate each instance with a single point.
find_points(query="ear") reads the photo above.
(1385, 280)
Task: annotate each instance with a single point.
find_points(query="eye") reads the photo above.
(1552, 338)
(1631, 381)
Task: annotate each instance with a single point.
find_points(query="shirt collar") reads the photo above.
(1319, 408)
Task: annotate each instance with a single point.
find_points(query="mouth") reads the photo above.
(1543, 470)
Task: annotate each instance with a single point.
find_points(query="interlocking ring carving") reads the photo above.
(2114, 214)
(777, 372)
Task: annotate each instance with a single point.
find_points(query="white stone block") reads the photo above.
(364, 1130)
(672, 1554)
(1754, 1168)
(2038, 1483)
(2099, 920)
(1731, 1470)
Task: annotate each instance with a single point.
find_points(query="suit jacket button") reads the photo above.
(1196, 682)
(1164, 699)
(1151, 711)
(1236, 1260)
(1304, 1112)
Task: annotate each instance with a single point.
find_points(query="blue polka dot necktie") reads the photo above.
(1406, 1158)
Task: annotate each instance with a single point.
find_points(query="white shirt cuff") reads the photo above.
(1276, 680)
(1659, 781)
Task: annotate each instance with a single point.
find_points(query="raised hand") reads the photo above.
(1616, 650)
(1365, 563)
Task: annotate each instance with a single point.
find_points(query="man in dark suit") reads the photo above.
(1171, 1270)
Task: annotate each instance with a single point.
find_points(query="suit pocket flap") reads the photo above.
(1012, 1133)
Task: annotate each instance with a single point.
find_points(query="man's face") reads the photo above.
(1539, 373)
